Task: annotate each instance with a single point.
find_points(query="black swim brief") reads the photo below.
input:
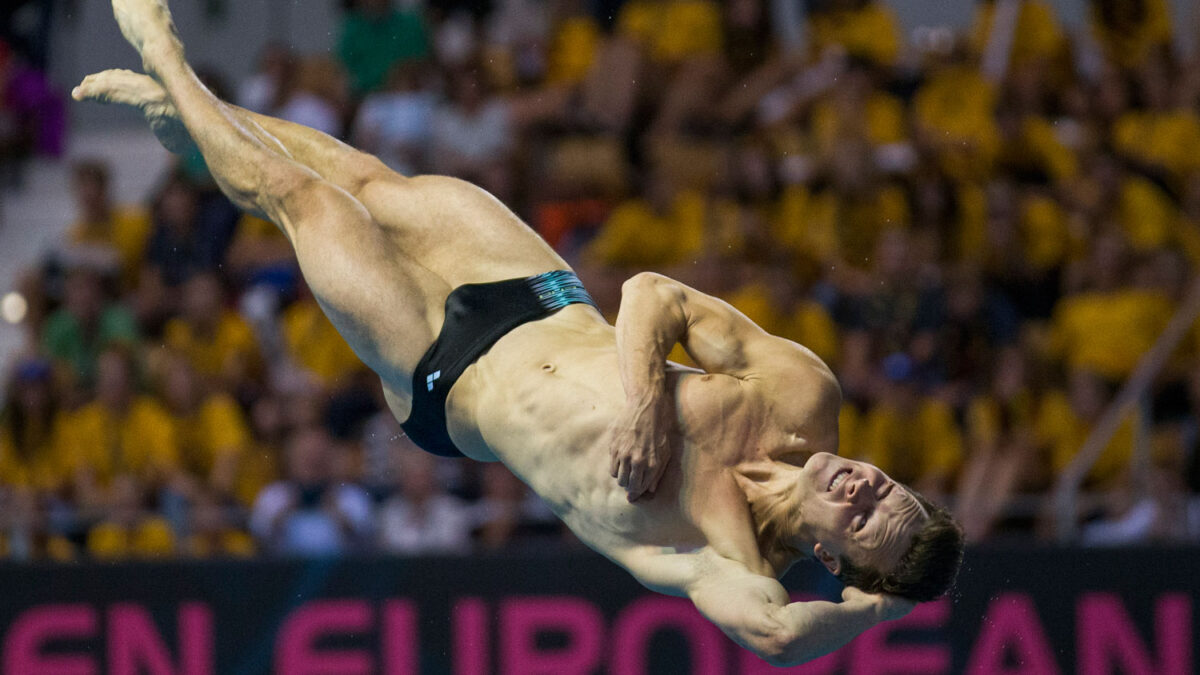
(477, 315)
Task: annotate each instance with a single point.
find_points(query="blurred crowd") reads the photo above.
(982, 233)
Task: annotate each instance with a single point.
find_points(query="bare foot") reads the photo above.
(125, 87)
(147, 25)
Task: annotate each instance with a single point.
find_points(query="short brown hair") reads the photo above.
(927, 569)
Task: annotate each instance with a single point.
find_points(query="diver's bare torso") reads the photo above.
(541, 400)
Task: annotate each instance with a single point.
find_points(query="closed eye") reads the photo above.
(861, 521)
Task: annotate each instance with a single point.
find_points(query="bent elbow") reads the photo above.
(777, 649)
(642, 281)
(651, 283)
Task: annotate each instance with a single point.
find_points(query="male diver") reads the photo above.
(488, 346)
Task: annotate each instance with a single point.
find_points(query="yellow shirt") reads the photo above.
(988, 419)
(232, 345)
(1044, 230)
(141, 442)
(1107, 333)
(807, 324)
(956, 109)
(1060, 431)
(234, 543)
(1148, 216)
(972, 238)
(573, 50)
(40, 468)
(883, 120)
(126, 231)
(634, 235)
(315, 344)
(912, 445)
(1129, 48)
(673, 30)
(217, 428)
(258, 467)
(1170, 139)
(820, 226)
(871, 32)
(151, 538)
(1037, 36)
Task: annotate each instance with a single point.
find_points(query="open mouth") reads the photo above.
(837, 479)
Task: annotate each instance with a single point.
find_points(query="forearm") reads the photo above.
(813, 629)
(648, 326)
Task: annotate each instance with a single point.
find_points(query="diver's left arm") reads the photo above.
(657, 312)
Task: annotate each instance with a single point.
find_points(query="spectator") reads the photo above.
(87, 324)
(32, 116)
(913, 438)
(210, 429)
(395, 124)
(1131, 30)
(374, 37)
(421, 518)
(672, 31)
(187, 239)
(315, 345)
(473, 134)
(507, 514)
(212, 535)
(29, 422)
(260, 464)
(123, 229)
(130, 528)
(866, 29)
(307, 513)
(1105, 328)
(1065, 420)
(1003, 457)
(260, 91)
(120, 433)
(27, 533)
(314, 96)
(218, 343)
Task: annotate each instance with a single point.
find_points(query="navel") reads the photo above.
(548, 368)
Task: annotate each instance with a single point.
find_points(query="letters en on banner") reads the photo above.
(1020, 611)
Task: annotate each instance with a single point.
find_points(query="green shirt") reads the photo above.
(64, 338)
(370, 45)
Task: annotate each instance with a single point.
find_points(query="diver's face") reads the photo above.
(852, 508)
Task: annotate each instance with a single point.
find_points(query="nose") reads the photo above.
(858, 489)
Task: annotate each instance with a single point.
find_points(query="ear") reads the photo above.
(831, 563)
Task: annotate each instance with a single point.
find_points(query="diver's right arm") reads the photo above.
(755, 612)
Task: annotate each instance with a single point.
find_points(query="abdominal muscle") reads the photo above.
(541, 401)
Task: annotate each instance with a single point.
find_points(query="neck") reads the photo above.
(770, 489)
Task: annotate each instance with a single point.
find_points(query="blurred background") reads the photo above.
(984, 216)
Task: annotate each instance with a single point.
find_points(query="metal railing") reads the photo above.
(1066, 490)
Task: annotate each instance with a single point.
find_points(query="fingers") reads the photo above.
(637, 480)
(623, 472)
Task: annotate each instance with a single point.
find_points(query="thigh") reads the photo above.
(457, 230)
(385, 303)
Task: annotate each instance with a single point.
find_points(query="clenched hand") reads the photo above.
(640, 444)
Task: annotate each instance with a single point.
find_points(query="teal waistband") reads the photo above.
(558, 289)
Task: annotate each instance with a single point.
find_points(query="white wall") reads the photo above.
(87, 39)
